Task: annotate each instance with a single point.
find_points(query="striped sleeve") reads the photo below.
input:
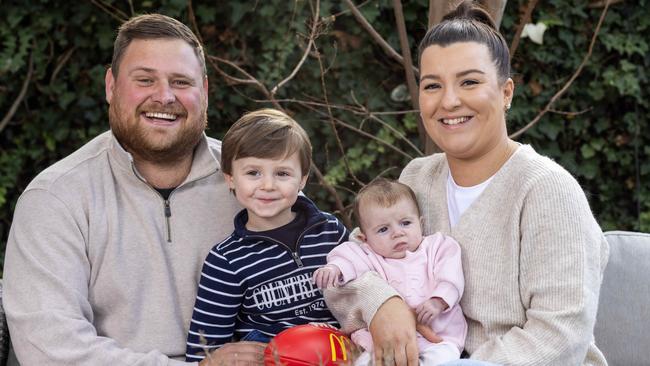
(345, 234)
(218, 300)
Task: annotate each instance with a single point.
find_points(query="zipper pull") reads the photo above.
(168, 214)
(168, 209)
(297, 259)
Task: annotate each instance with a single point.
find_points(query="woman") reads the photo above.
(533, 254)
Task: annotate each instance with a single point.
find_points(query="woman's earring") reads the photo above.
(508, 106)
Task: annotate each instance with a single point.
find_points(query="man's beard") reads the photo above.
(151, 146)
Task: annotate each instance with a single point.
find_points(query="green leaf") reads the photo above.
(589, 169)
(238, 11)
(205, 13)
(587, 151)
(50, 143)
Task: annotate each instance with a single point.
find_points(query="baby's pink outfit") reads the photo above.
(434, 269)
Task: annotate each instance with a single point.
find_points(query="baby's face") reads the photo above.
(391, 231)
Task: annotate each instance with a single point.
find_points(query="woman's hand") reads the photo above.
(237, 353)
(393, 334)
(428, 333)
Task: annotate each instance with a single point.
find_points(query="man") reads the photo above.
(106, 246)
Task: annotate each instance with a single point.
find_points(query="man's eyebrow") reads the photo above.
(180, 75)
(149, 70)
(142, 68)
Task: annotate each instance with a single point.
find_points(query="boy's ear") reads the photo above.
(229, 180)
(303, 181)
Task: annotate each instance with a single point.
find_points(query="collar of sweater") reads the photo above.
(204, 162)
(303, 206)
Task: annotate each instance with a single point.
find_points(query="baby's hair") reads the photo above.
(265, 134)
(469, 22)
(384, 192)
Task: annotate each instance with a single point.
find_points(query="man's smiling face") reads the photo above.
(158, 100)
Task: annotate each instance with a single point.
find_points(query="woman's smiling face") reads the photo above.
(462, 101)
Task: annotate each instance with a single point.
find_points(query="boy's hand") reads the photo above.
(327, 276)
(430, 309)
(237, 353)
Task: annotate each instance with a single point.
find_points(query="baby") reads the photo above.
(426, 271)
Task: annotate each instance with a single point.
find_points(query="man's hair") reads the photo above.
(265, 134)
(153, 26)
(385, 193)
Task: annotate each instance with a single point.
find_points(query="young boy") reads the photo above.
(426, 271)
(258, 281)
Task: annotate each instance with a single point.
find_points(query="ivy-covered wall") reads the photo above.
(53, 56)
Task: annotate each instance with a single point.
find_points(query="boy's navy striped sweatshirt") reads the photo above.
(252, 282)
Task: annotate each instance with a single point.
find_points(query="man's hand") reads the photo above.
(430, 309)
(327, 276)
(393, 334)
(237, 353)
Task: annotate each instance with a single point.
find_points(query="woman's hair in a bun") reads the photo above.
(469, 22)
(468, 10)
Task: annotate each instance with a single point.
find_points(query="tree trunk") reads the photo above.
(438, 9)
(496, 9)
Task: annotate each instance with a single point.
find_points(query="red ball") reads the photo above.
(309, 344)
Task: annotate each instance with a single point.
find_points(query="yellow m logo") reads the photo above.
(341, 341)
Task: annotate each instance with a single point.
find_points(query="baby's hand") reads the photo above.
(327, 276)
(430, 309)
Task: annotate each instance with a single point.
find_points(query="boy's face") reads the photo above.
(391, 231)
(267, 189)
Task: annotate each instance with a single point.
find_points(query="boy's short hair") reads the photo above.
(265, 134)
(384, 192)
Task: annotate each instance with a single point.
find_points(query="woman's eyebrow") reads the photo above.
(458, 74)
(470, 71)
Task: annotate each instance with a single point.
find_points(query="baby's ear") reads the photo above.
(422, 221)
(357, 235)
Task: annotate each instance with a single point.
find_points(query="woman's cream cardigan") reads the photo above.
(533, 258)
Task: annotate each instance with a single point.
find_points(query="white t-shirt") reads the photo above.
(460, 198)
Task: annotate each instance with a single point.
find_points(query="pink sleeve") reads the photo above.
(351, 259)
(446, 268)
